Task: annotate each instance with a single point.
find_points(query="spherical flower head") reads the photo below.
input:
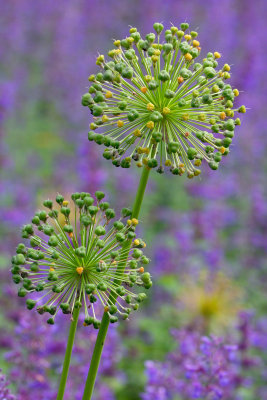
(157, 103)
(81, 259)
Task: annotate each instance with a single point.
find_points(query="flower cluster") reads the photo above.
(160, 107)
(203, 368)
(77, 259)
(4, 390)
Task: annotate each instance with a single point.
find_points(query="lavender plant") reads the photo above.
(158, 107)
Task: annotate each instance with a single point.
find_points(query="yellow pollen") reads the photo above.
(51, 269)
(226, 67)
(187, 37)
(166, 110)
(79, 270)
(154, 58)
(188, 57)
(146, 150)
(150, 106)
(145, 161)
(65, 203)
(117, 43)
(141, 269)
(129, 222)
(222, 150)
(105, 118)
(168, 163)
(217, 54)
(134, 221)
(185, 117)
(144, 244)
(236, 92)
(222, 115)
(136, 242)
(180, 79)
(143, 89)
(150, 125)
(108, 94)
(196, 43)
(117, 51)
(137, 133)
(120, 123)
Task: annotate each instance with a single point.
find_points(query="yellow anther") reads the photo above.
(144, 244)
(117, 43)
(226, 67)
(150, 125)
(51, 269)
(180, 79)
(137, 133)
(143, 89)
(108, 94)
(168, 163)
(150, 106)
(129, 222)
(146, 150)
(117, 51)
(106, 308)
(236, 92)
(105, 118)
(144, 161)
(132, 30)
(136, 242)
(135, 221)
(120, 123)
(154, 59)
(195, 43)
(130, 39)
(141, 270)
(188, 57)
(65, 203)
(93, 126)
(148, 78)
(197, 172)
(79, 270)
(187, 37)
(185, 117)
(139, 164)
(157, 52)
(197, 163)
(222, 150)
(217, 54)
(101, 58)
(166, 110)
(222, 115)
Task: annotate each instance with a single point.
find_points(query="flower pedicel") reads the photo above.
(155, 104)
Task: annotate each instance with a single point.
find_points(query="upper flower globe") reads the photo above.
(157, 103)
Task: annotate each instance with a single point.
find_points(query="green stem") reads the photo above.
(100, 341)
(66, 364)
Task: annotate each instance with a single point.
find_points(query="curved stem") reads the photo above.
(66, 364)
(103, 329)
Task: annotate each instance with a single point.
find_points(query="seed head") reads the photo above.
(77, 260)
(151, 86)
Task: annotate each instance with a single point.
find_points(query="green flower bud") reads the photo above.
(53, 241)
(164, 76)
(80, 252)
(209, 72)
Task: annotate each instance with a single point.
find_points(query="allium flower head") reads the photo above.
(70, 265)
(158, 103)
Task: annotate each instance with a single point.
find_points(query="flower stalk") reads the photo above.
(100, 341)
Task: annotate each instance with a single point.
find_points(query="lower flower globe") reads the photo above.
(79, 255)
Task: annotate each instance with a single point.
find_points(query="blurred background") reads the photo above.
(203, 332)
